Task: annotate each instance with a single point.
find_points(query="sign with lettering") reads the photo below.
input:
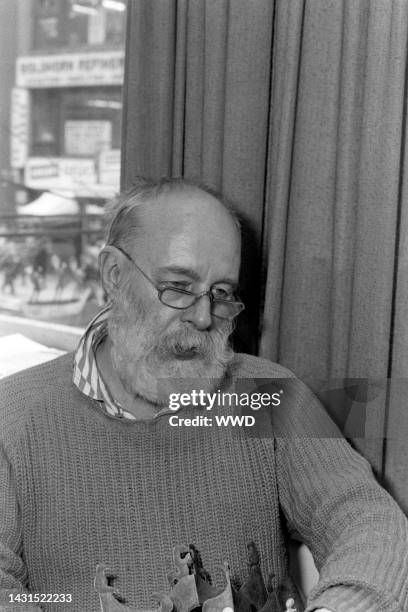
(87, 137)
(109, 167)
(19, 127)
(59, 172)
(70, 70)
(79, 177)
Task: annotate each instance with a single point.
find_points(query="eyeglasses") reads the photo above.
(181, 299)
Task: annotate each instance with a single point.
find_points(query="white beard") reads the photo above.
(153, 365)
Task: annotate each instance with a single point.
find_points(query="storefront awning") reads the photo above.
(49, 204)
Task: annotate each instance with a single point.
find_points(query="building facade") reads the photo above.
(66, 100)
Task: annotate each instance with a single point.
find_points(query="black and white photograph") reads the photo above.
(203, 305)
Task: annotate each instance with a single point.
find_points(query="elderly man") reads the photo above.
(93, 469)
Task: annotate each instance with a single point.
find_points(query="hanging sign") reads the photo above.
(19, 127)
(70, 70)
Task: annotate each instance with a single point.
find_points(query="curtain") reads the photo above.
(335, 211)
(295, 110)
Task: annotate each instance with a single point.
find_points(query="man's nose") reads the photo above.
(199, 314)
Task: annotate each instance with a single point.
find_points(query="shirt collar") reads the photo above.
(86, 375)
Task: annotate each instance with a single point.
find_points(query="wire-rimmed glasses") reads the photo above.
(181, 299)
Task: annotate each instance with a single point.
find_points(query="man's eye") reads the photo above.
(176, 285)
(223, 293)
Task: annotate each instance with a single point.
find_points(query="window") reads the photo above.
(68, 24)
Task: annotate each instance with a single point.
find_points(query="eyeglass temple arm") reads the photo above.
(135, 264)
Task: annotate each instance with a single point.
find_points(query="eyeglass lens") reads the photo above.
(176, 299)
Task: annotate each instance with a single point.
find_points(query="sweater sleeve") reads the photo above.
(356, 532)
(13, 572)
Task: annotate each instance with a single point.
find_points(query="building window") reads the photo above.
(69, 24)
(75, 122)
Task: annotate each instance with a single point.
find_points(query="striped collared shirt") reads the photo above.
(86, 375)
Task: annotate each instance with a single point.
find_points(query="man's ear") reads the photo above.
(110, 270)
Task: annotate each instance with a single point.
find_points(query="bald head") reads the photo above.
(165, 203)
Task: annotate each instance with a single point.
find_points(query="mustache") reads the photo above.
(208, 344)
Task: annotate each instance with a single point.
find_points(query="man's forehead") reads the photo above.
(186, 202)
(187, 229)
(188, 211)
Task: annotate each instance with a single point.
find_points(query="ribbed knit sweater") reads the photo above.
(79, 488)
